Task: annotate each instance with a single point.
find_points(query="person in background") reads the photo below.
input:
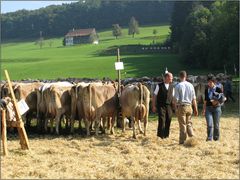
(228, 90)
(184, 99)
(162, 103)
(219, 84)
(212, 109)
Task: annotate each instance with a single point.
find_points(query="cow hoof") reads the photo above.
(141, 132)
(134, 137)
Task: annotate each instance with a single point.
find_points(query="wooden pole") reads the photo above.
(21, 130)
(4, 133)
(119, 73)
(119, 124)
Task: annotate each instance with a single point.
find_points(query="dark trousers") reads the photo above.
(229, 95)
(164, 121)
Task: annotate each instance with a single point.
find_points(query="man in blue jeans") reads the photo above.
(212, 110)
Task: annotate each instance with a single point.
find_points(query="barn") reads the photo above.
(81, 36)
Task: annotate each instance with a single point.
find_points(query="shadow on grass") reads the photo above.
(155, 37)
(133, 49)
(23, 60)
(151, 65)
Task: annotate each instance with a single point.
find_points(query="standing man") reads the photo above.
(184, 98)
(162, 102)
(219, 84)
(228, 90)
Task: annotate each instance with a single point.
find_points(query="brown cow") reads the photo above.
(54, 101)
(100, 101)
(200, 92)
(25, 91)
(77, 111)
(134, 102)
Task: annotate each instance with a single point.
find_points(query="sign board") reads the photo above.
(23, 107)
(119, 65)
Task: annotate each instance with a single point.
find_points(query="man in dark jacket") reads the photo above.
(228, 90)
(162, 103)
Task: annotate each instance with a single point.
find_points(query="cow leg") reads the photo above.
(51, 121)
(72, 125)
(104, 124)
(139, 126)
(112, 124)
(101, 123)
(123, 123)
(80, 116)
(46, 125)
(133, 126)
(80, 124)
(87, 126)
(67, 122)
(97, 123)
(38, 124)
(28, 120)
(57, 124)
(145, 124)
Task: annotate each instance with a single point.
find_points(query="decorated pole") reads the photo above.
(119, 67)
(119, 73)
(20, 126)
(4, 132)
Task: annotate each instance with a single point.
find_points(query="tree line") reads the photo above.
(57, 20)
(206, 34)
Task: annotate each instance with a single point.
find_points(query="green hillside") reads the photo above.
(27, 60)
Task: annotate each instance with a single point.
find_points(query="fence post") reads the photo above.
(4, 132)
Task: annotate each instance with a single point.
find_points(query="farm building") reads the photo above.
(81, 36)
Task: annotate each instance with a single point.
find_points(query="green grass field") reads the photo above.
(26, 60)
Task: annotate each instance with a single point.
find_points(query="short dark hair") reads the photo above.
(211, 78)
(182, 74)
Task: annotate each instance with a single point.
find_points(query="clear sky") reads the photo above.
(11, 6)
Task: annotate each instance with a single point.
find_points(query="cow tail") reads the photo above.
(141, 100)
(90, 100)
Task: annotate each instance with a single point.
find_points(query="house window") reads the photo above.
(69, 41)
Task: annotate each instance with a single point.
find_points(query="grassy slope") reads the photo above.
(26, 60)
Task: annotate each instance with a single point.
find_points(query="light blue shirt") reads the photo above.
(184, 93)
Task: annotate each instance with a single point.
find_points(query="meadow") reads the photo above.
(115, 156)
(25, 60)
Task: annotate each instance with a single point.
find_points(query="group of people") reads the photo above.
(181, 99)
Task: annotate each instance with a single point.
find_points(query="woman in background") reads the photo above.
(212, 109)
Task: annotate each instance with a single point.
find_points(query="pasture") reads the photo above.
(26, 60)
(120, 156)
(114, 156)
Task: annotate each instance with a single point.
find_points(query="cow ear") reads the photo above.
(16, 87)
(17, 92)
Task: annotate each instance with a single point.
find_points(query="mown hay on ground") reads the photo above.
(120, 156)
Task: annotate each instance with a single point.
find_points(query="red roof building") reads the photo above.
(81, 36)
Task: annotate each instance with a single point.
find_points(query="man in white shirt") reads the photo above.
(184, 98)
(162, 103)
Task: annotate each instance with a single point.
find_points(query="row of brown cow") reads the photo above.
(91, 102)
